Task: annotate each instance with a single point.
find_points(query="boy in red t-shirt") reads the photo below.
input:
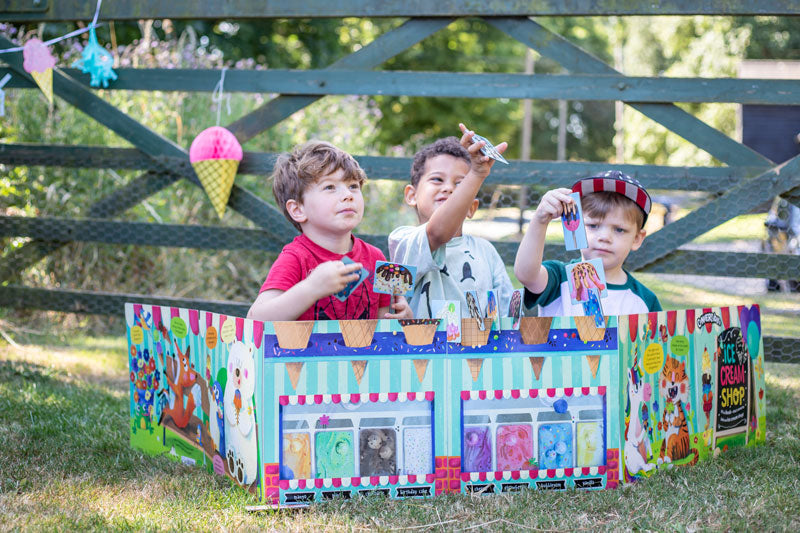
(318, 186)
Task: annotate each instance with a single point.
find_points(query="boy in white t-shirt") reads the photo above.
(445, 178)
(615, 208)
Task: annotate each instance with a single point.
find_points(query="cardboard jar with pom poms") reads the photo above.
(215, 155)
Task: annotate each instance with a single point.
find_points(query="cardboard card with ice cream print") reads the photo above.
(572, 224)
(394, 278)
(584, 276)
(450, 312)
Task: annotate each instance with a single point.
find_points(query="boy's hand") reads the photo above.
(400, 306)
(481, 164)
(332, 276)
(552, 205)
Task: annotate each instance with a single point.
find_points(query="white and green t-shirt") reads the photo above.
(465, 263)
(628, 298)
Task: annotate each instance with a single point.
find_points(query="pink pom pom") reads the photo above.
(36, 56)
(215, 143)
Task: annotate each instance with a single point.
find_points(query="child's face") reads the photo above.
(611, 238)
(332, 206)
(442, 174)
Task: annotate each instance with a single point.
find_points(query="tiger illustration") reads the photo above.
(675, 387)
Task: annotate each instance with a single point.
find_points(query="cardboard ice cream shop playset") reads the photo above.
(297, 412)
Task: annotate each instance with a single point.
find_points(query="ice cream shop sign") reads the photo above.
(298, 412)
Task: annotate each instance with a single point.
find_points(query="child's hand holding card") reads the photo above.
(350, 287)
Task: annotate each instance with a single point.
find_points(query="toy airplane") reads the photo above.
(488, 149)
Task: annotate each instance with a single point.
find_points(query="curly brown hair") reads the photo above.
(294, 172)
(446, 146)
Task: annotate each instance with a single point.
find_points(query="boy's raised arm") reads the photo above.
(447, 219)
(528, 263)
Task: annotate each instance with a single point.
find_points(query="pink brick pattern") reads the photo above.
(271, 483)
(448, 474)
(612, 468)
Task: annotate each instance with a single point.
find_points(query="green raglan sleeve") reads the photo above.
(556, 275)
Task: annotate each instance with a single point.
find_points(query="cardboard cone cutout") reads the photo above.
(215, 155)
(475, 368)
(39, 63)
(536, 363)
(357, 333)
(358, 369)
(587, 330)
(534, 330)
(294, 370)
(420, 365)
(420, 331)
(293, 335)
(594, 362)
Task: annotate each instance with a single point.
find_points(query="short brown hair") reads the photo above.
(598, 204)
(295, 171)
(446, 146)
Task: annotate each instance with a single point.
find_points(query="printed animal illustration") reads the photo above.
(216, 421)
(239, 412)
(637, 442)
(184, 384)
(675, 388)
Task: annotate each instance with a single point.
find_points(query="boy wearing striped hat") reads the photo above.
(615, 208)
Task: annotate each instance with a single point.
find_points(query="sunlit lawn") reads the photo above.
(65, 464)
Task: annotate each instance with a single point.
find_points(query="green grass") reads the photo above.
(66, 464)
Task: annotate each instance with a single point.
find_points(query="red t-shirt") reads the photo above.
(302, 255)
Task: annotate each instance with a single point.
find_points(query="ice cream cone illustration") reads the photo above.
(536, 364)
(587, 330)
(571, 222)
(357, 333)
(39, 63)
(594, 362)
(237, 403)
(475, 368)
(294, 370)
(472, 334)
(215, 155)
(358, 369)
(293, 335)
(420, 365)
(534, 330)
(420, 331)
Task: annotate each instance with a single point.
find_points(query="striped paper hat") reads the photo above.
(616, 181)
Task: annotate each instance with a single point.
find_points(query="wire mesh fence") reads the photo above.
(94, 265)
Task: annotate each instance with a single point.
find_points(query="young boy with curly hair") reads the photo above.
(445, 179)
(318, 187)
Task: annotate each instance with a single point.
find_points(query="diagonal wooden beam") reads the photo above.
(576, 60)
(378, 51)
(740, 199)
(163, 151)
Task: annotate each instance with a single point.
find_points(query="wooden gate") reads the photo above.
(747, 181)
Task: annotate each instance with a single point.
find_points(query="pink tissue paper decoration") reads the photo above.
(215, 155)
(39, 63)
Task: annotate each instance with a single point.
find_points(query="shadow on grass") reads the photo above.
(61, 426)
(66, 463)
